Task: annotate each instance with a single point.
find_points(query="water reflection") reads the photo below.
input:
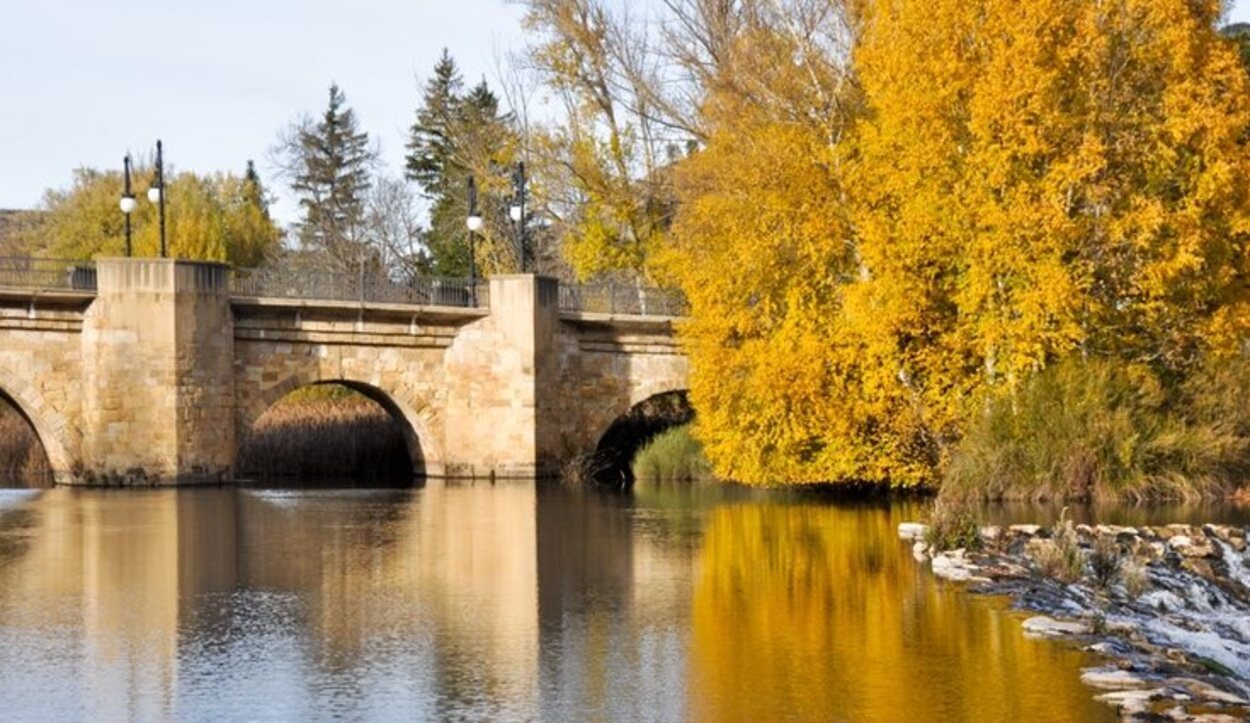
(496, 603)
(838, 625)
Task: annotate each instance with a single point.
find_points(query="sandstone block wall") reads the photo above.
(393, 357)
(493, 382)
(41, 372)
(605, 367)
(157, 351)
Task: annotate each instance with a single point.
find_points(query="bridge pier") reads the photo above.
(500, 375)
(158, 392)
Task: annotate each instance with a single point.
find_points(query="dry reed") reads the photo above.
(22, 459)
(334, 437)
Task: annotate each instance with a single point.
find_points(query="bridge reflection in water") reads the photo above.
(507, 602)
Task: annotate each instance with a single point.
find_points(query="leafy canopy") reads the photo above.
(219, 217)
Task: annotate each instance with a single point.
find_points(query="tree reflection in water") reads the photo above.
(500, 602)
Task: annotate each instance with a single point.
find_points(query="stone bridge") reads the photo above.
(156, 369)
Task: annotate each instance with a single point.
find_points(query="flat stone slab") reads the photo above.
(912, 530)
(1045, 626)
(1112, 679)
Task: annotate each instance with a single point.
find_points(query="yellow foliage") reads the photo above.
(1014, 183)
(789, 597)
(209, 218)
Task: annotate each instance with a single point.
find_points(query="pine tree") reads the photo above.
(254, 191)
(332, 162)
(429, 147)
(458, 134)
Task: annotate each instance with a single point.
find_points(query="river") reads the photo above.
(509, 602)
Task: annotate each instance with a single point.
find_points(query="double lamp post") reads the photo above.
(156, 195)
(516, 212)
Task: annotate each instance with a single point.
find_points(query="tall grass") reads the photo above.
(22, 459)
(326, 435)
(1101, 430)
(672, 455)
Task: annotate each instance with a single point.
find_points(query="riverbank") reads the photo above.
(1168, 606)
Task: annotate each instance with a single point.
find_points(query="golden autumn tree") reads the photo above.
(1045, 179)
(1001, 185)
(601, 173)
(221, 217)
(1066, 170)
(764, 248)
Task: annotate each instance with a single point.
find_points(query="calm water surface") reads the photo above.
(498, 603)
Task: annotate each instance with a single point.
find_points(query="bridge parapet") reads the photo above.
(364, 287)
(36, 274)
(30, 277)
(616, 299)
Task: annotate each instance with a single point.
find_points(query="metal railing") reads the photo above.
(614, 298)
(285, 283)
(47, 274)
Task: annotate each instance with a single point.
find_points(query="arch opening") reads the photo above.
(24, 460)
(628, 434)
(332, 433)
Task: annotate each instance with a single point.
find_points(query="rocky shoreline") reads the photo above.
(1168, 606)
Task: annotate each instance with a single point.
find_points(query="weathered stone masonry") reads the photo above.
(155, 379)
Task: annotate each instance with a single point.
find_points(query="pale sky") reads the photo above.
(85, 81)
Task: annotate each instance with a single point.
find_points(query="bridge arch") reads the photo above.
(412, 413)
(653, 408)
(59, 438)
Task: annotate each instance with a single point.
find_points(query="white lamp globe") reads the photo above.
(515, 212)
(474, 223)
(128, 204)
(154, 194)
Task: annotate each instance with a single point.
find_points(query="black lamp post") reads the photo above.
(128, 200)
(517, 213)
(156, 194)
(474, 223)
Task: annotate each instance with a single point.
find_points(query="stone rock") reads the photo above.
(1170, 531)
(991, 532)
(1187, 546)
(1209, 692)
(1131, 701)
(947, 568)
(1111, 679)
(912, 531)
(1027, 530)
(920, 550)
(1045, 626)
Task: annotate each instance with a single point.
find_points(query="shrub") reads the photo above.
(953, 525)
(1105, 561)
(1135, 577)
(672, 455)
(1083, 430)
(1060, 557)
